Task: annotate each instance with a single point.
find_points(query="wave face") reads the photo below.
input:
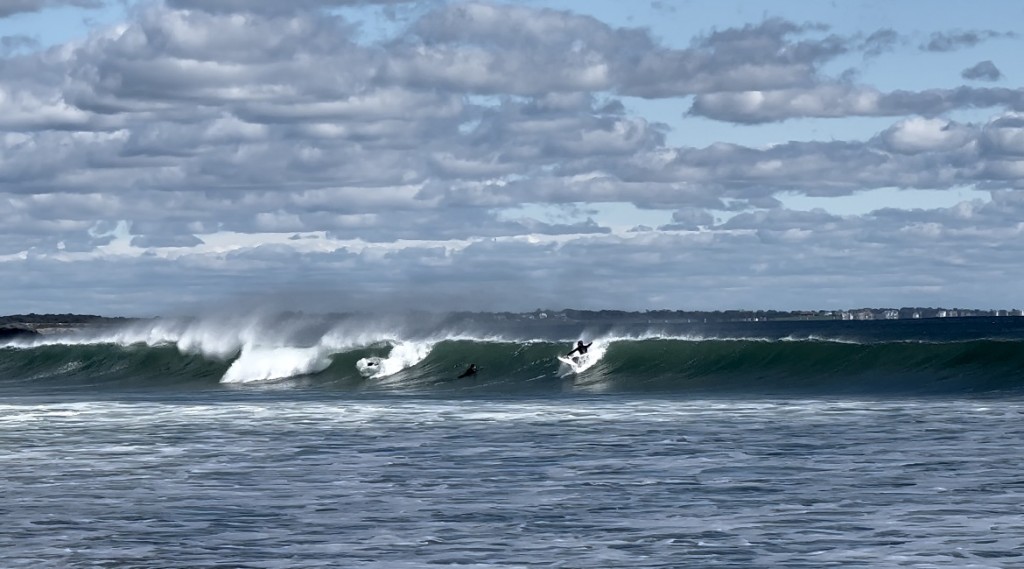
(425, 355)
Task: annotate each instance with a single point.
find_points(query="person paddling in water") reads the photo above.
(581, 348)
(471, 370)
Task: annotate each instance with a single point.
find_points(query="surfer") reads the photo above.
(471, 370)
(580, 347)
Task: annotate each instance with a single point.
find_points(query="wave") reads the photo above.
(399, 355)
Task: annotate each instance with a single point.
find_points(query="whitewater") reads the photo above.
(297, 440)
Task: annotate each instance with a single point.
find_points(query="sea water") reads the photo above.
(100, 470)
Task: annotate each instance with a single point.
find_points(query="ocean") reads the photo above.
(296, 440)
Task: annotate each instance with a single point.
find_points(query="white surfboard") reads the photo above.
(576, 363)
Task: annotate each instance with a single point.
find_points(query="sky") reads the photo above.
(177, 156)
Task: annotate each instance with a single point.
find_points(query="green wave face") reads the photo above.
(651, 365)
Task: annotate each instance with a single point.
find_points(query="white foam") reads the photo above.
(261, 364)
(368, 367)
(594, 354)
(259, 361)
(403, 356)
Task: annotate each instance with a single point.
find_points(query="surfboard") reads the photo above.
(576, 363)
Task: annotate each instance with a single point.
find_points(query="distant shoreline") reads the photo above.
(48, 323)
(27, 325)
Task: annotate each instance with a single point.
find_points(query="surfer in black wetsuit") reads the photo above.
(470, 371)
(580, 347)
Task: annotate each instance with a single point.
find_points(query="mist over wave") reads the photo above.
(427, 352)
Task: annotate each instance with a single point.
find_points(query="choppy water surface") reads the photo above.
(261, 480)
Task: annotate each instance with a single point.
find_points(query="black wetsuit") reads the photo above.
(580, 347)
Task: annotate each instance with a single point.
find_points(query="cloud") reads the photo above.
(274, 6)
(952, 41)
(148, 241)
(1003, 137)
(917, 135)
(11, 44)
(827, 100)
(879, 42)
(735, 59)
(780, 258)
(689, 219)
(833, 100)
(11, 7)
(492, 48)
(982, 71)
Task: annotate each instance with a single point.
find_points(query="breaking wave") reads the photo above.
(362, 354)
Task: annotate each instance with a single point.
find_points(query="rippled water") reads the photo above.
(274, 482)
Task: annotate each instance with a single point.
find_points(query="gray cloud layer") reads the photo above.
(190, 120)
